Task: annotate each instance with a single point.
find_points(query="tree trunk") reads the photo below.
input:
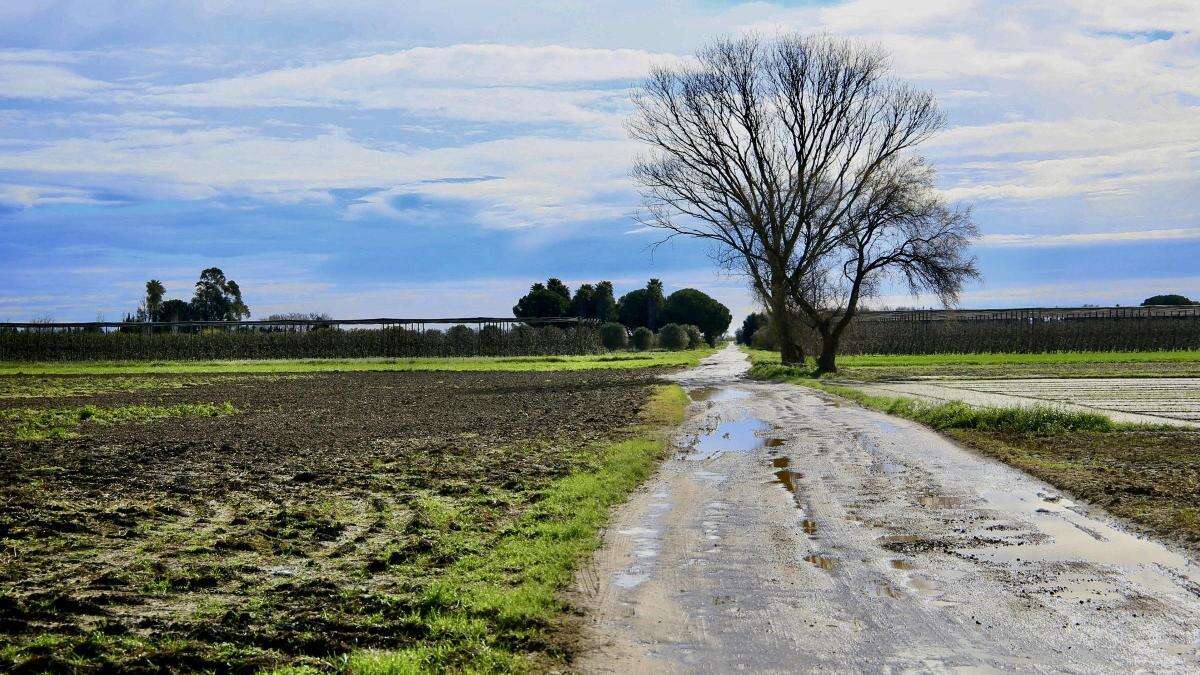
(827, 361)
(791, 353)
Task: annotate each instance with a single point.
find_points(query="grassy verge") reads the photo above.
(1147, 475)
(491, 611)
(28, 424)
(875, 367)
(482, 363)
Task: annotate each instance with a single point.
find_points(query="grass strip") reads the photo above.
(873, 367)
(28, 424)
(686, 358)
(494, 611)
(1039, 419)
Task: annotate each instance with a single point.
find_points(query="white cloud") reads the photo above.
(26, 196)
(1050, 101)
(39, 81)
(538, 181)
(1076, 238)
(464, 81)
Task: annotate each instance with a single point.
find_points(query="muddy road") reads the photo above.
(792, 532)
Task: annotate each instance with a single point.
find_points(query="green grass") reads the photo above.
(482, 363)
(1041, 420)
(489, 606)
(28, 424)
(940, 415)
(874, 367)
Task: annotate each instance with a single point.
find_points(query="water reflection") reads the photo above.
(741, 436)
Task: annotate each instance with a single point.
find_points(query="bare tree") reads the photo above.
(900, 230)
(765, 147)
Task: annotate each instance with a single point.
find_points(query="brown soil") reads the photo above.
(303, 527)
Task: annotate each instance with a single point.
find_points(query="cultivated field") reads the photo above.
(379, 521)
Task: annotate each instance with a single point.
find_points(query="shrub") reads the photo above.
(695, 337)
(491, 340)
(461, 340)
(643, 339)
(764, 338)
(614, 336)
(673, 336)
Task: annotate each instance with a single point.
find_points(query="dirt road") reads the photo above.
(795, 533)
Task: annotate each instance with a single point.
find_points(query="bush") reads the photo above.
(695, 337)
(764, 338)
(614, 336)
(673, 336)
(461, 339)
(643, 339)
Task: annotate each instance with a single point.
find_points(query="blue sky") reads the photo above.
(433, 158)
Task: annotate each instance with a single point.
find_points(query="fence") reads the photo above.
(296, 338)
(1027, 330)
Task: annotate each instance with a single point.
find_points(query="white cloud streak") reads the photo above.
(1085, 238)
(1049, 102)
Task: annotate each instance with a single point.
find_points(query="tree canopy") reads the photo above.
(554, 299)
(642, 307)
(216, 298)
(541, 301)
(1168, 299)
(750, 326)
(689, 306)
(782, 153)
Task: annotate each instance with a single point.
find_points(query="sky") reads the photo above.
(366, 158)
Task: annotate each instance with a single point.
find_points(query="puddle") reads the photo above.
(887, 427)
(740, 436)
(824, 562)
(789, 479)
(785, 478)
(718, 394)
(901, 564)
(1072, 536)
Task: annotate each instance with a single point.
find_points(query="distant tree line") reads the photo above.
(1020, 335)
(327, 342)
(647, 310)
